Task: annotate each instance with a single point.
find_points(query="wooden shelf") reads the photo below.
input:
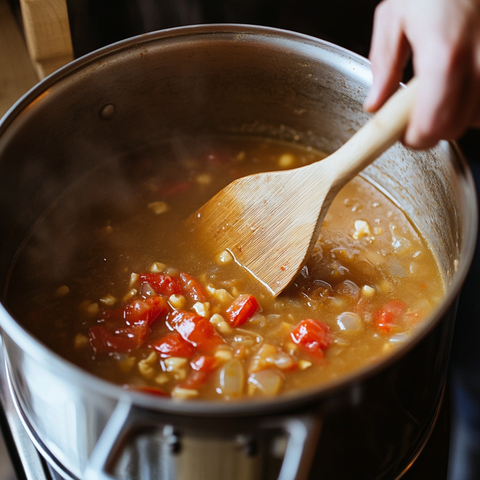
(17, 74)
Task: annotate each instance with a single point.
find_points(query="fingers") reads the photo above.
(444, 37)
(389, 54)
(448, 99)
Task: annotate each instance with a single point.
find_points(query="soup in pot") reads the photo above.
(114, 279)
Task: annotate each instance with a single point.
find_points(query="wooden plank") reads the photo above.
(17, 75)
(47, 33)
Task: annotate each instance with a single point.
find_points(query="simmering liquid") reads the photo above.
(113, 280)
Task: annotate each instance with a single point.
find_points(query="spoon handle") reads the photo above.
(377, 135)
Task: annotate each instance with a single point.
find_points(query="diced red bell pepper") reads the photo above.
(173, 345)
(163, 284)
(196, 330)
(241, 310)
(204, 363)
(193, 288)
(312, 335)
(147, 310)
(104, 341)
(387, 317)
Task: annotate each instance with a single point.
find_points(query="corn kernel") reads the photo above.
(204, 179)
(145, 366)
(184, 393)
(157, 267)
(131, 293)
(174, 363)
(180, 374)
(224, 354)
(362, 229)
(146, 370)
(80, 341)
(210, 289)
(287, 160)
(385, 286)
(223, 296)
(177, 301)
(220, 323)
(202, 309)
(224, 257)
(368, 291)
(162, 378)
(62, 291)
(158, 207)
(92, 309)
(108, 300)
(284, 329)
(304, 364)
(133, 279)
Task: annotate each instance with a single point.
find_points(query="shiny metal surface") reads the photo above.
(31, 464)
(236, 79)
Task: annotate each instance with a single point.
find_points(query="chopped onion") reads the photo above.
(400, 244)
(348, 288)
(269, 356)
(147, 290)
(269, 382)
(399, 338)
(395, 268)
(258, 320)
(232, 378)
(246, 340)
(349, 322)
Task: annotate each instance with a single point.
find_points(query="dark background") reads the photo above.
(96, 23)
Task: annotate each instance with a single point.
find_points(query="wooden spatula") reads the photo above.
(270, 222)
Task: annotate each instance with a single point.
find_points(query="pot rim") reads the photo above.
(38, 351)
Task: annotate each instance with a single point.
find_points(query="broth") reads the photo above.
(113, 280)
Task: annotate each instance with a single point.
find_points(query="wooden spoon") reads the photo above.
(270, 222)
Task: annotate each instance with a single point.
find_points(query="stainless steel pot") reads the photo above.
(225, 79)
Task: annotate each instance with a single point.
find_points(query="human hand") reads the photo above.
(444, 38)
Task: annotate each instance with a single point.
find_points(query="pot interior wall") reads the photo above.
(170, 85)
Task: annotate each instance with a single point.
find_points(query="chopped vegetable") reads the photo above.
(388, 316)
(193, 288)
(196, 330)
(241, 310)
(173, 345)
(104, 341)
(145, 311)
(312, 335)
(162, 283)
